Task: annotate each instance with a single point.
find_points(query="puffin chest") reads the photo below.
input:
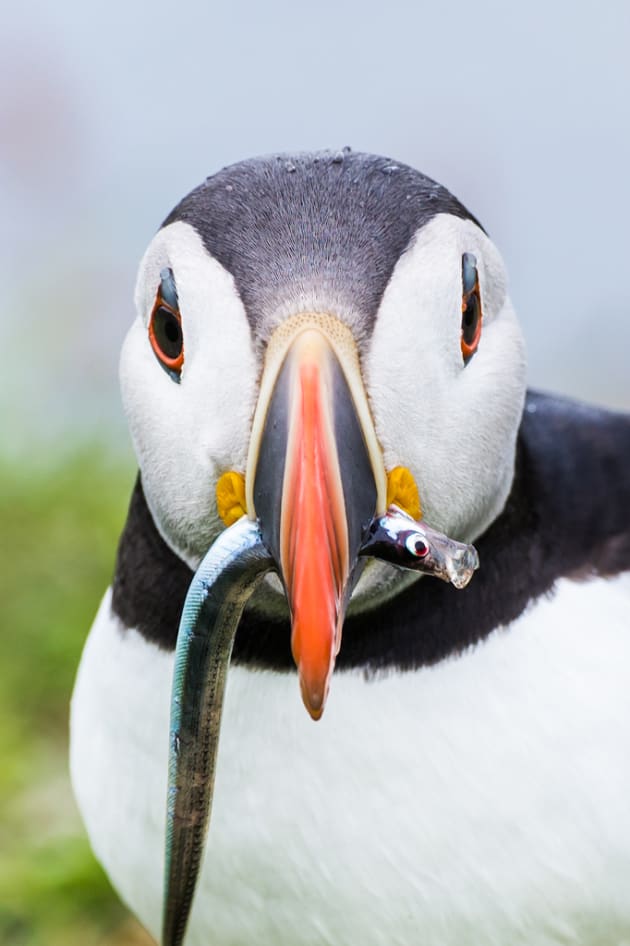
(464, 800)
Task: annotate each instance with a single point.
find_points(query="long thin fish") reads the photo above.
(227, 576)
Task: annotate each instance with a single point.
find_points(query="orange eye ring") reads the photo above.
(165, 326)
(166, 337)
(472, 315)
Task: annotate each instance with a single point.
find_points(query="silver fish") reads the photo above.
(411, 544)
(227, 576)
(230, 572)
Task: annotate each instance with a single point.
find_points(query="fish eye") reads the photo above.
(471, 307)
(165, 326)
(416, 545)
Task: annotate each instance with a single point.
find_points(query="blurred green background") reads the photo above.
(108, 115)
(60, 523)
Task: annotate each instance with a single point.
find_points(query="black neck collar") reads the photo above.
(568, 514)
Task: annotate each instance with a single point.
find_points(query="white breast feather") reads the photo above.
(483, 801)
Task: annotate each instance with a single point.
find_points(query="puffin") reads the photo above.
(319, 336)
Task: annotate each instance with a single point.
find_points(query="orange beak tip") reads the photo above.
(314, 698)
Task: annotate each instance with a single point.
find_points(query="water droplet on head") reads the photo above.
(337, 157)
(290, 167)
(390, 169)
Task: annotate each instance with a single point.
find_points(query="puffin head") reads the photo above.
(319, 336)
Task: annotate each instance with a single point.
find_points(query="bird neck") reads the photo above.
(567, 514)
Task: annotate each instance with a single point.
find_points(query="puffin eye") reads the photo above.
(165, 327)
(471, 307)
(416, 545)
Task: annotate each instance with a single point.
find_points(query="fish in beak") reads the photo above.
(318, 501)
(315, 480)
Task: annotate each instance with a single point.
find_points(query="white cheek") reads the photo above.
(488, 404)
(455, 427)
(187, 434)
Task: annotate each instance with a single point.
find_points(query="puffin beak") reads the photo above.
(315, 481)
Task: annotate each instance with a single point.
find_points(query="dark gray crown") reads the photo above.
(324, 224)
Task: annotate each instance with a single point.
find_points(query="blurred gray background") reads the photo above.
(110, 113)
